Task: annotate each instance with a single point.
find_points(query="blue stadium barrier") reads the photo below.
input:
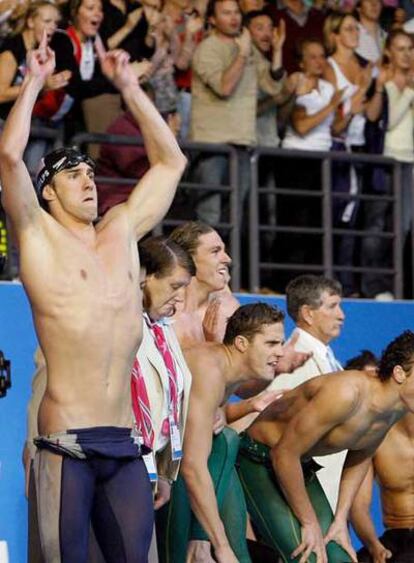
(368, 325)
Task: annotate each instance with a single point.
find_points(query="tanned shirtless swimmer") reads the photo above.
(81, 280)
(346, 410)
(392, 468)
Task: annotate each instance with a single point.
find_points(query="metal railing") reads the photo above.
(232, 228)
(326, 230)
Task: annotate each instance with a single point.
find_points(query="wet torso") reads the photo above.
(87, 312)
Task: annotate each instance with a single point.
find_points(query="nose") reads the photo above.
(226, 259)
(179, 298)
(341, 314)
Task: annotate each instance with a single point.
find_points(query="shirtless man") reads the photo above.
(207, 306)
(392, 467)
(82, 283)
(251, 349)
(327, 414)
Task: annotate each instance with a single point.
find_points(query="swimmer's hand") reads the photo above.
(211, 321)
(379, 553)
(163, 493)
(115, 66)
(261, 401)
(312, 542)
(220, 421)
(292, 359)
(41, 61)
(225, 555)
(338, 532)
(199, 551)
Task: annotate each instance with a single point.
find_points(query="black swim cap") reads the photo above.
(56, 161)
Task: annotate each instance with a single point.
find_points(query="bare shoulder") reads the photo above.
(339, 393)
(204, 357)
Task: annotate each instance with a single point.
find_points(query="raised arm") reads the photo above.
(303, 432)
(153, 195)
(18, 196)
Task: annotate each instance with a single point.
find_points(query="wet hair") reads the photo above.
(248, 320)
(333, 24)
(399, 352)
(187, 235)
(159, 256)
(307, 290)
(364, 358)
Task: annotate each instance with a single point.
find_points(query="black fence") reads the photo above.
(245, 243)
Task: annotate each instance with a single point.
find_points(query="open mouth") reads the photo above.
(273, 364)
(89, 199)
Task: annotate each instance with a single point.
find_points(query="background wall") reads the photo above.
(368, 325)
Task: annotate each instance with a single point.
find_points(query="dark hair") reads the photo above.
(399, 352)
(364, 358)
(301, 45)
(211, 7)
(391, 38)
(159, 256)
(249, 319)
(187, 235)
(307, 290)
(247, 18)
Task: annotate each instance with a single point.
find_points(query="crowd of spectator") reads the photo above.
(314, 76)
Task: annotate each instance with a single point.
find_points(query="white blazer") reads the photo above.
(156, 381)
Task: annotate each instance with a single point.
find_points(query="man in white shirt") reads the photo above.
(371, 35)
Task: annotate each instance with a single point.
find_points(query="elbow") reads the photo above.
(9, 156)
(188, 471)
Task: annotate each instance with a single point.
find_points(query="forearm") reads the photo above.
(160, 143)
(305, 123)
(398, 107)
(116, 39)
(289, 472)
(17, 128)
(232, 75)
(352, 476)
(364, 527)
(185, 53)
(204, 504)
(9, 94)
(235, 411)
(374, 106)
(340, 123)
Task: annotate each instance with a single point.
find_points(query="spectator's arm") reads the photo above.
(184, 54)
(132, 20)
(208, 64)
(399, 104)
(304, 123)
(8, 66)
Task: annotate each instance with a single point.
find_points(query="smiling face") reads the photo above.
(45, 19)
(212, 261)
(265, 349)
(162, 295)
(73, 192)
(89, 18)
